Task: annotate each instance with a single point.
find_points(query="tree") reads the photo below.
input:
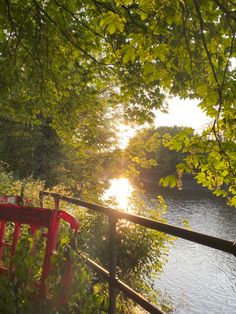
(36, 151)
(31, 151)
(148, 149)
(82, 65)
(74, 63)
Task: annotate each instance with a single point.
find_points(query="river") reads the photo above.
(199, 279)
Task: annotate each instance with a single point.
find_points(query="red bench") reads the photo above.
(36, 218)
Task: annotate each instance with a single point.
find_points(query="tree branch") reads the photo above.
(67, 36)
(76, 19)
(204, 43)
(219, 86)
(8, 5)
(224, 9)
(186, 41)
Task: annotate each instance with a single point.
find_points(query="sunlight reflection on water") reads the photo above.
(197, 279)
(120, 191)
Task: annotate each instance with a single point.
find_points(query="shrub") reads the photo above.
(141, 255)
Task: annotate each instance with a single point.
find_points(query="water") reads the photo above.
(200, 279)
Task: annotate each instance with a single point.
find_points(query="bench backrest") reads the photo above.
(36, 218)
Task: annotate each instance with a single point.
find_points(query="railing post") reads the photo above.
(41, 199)
(56, 202)
(112, 264)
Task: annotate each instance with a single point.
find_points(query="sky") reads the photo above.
(181, 113)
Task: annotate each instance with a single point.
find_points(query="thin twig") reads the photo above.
(187, 42)
(67, 36)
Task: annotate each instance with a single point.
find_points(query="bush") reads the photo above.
(141, 255)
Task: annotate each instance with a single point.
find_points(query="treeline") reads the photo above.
(38, 152)
(148, 154)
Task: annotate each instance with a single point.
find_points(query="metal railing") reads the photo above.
(114, 216)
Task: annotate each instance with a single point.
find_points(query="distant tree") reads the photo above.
(36, 151)
(148, 154)
(30, 150)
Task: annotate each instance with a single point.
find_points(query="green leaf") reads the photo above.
(170, 181)
(113, 22)
(161, 52)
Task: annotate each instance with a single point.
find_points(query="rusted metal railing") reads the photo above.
(114, 216)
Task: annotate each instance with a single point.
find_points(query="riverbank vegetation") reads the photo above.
(148, 156)
(71, 72)
(137, 260)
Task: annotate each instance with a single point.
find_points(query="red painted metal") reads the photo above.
(36, 217)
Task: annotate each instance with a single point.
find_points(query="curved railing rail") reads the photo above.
(114, 216)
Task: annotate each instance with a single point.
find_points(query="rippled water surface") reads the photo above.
(200, 279)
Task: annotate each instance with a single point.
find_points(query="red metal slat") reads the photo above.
(26, 215)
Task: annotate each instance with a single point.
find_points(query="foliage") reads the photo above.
(39, 153)
(10, 186)
(18, 290)
(137, 260)
(85, 63)
(210, 168)
(173, 151)
(30, 151)
(141, 252)
(148, 155)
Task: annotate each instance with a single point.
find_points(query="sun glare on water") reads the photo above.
(121, 190)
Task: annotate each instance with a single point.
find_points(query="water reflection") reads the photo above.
(120, 190)
(200, 279)
(196, 278)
